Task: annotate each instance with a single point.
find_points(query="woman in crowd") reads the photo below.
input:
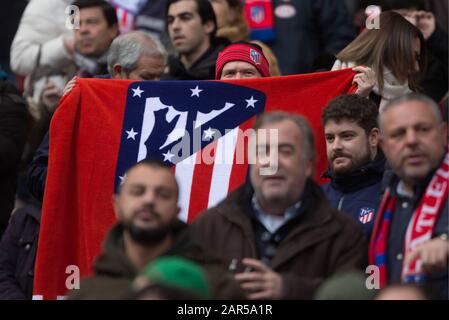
(394, 50)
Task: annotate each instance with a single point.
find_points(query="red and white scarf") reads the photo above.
(419, 230)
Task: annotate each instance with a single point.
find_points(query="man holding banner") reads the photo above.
(141, 120)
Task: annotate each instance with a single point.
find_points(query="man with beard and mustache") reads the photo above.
(356, 164)
(277, 232)
(147, 228)
(409, 242)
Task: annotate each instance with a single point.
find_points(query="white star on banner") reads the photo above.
(251, 102)
(122, 179)
(168, 156)
(131, 134)
(137, 92)
(208, 134)
(196, 92)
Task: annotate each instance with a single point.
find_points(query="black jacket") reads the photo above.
(18, 254)
(316, 28)
(14, 127)
(37, 170)
(202, 69)
(435, 81)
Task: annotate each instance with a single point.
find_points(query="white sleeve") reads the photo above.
(42, 24)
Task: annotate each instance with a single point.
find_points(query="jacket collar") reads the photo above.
(34, 212)
(113, 261)
(316, 213)
(203, 68)
(366, 175)
(241, 199)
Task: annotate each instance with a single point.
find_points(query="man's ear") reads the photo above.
(209, 26)
(117, 72)
(113, 31)
(374, 137)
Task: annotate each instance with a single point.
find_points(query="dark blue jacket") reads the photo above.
(18, 254)
(359, 192)
(312, 29)
(37, 170)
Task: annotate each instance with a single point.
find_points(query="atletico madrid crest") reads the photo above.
(366, 215)
(255, 56)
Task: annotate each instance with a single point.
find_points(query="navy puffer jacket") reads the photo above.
(359, 192)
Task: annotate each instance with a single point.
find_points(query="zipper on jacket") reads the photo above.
(340, 203)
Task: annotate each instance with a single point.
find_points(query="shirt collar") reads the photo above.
(271, 222)
(402, 191)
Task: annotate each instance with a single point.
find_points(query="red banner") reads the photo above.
(91, 127)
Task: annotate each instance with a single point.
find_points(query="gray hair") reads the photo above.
(126, 50)
(302, 124)
(412, 97)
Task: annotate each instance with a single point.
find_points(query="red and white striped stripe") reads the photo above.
(203, 184)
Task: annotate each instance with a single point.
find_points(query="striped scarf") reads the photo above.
(419, 230)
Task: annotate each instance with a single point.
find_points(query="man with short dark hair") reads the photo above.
(98, 26)
(356, 164)
(191, 26)
(279, 225)
(409, 242)
(146, 208)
